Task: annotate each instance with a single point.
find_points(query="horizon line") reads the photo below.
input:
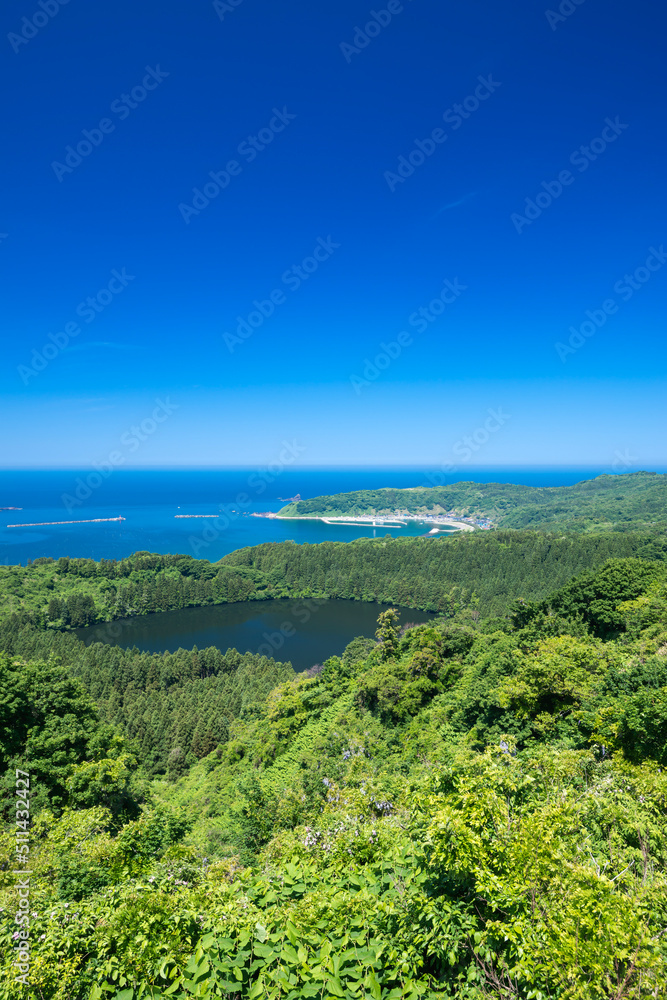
(591, 466)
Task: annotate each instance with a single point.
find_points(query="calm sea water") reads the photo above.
(304, 632)
(149, 499)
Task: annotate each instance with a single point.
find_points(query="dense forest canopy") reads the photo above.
(471, 808)
(485, 569)
(633, 501)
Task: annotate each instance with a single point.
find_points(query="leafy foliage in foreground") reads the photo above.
(50, 725)
(466, 810)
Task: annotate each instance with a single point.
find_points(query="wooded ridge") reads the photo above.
(619, 502)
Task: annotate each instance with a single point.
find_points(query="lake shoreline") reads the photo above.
(304, 631)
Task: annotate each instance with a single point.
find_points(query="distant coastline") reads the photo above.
(559, 501)
(606, 503)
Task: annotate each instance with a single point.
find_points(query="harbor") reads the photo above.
(43, 524)
(439, 522)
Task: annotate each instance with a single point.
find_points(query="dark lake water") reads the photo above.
(305, 632)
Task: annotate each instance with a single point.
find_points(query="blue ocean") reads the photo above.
(152, 504)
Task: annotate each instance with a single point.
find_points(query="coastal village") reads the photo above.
(447, 521)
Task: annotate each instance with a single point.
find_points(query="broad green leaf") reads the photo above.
(335, 987)
(260, 932)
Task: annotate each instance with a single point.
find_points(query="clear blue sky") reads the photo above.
(171, 92)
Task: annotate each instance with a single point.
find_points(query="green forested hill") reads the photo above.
(464, 810)
(434, 574)
(637, 500)
(174, 708)
(484, 570)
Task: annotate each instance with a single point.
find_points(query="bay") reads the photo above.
(149, 501)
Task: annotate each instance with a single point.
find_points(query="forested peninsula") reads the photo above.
(608, 502)
(471, 808)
